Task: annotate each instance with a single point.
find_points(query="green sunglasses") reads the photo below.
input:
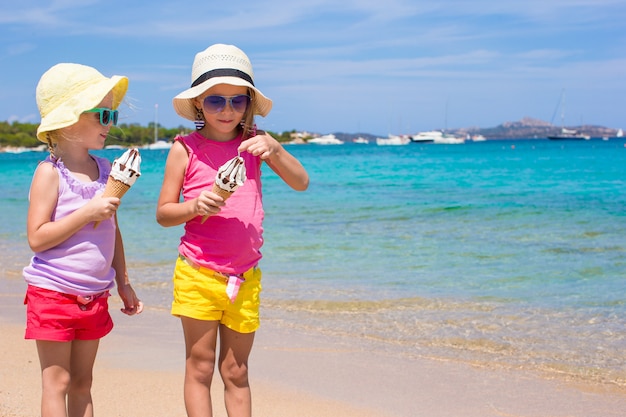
(107, 116)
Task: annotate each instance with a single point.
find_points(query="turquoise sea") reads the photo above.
(498, 253)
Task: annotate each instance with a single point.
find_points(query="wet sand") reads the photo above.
(139, 372)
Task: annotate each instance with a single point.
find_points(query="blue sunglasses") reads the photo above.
(107, 116)
(215, 104)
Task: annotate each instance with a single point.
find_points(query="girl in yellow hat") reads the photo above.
(75, 265)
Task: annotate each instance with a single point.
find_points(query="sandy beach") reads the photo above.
(139, 372)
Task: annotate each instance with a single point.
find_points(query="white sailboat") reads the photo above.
(157, 144)
(426, 137)
(393, 140)
(437, 137)
(448, 139)
(329, 139)
(566, 134)
(360, 140)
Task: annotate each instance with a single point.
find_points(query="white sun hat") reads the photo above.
(219, 64)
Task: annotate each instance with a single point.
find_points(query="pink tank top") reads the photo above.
(229, 242)
(81, 265)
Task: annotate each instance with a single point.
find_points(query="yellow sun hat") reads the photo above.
(219, 64)
(67, 90)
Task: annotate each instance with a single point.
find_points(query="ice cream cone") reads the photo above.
(222, 193)
(230, 176)
(124, 173)
(114, 188)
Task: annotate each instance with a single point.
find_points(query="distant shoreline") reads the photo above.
(127, 135)
(43, 148)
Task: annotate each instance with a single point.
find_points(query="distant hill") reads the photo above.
(531, 128)
(527, 128)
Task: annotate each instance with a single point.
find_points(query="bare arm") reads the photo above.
(172, 212)
(284, 164)
(43, 233)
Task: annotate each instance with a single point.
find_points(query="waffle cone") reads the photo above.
(222, 193)
(114, 188)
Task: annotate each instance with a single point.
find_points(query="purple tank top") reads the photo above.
(81, 265)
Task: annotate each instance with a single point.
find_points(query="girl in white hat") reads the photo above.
(75, 265)
(216, 280)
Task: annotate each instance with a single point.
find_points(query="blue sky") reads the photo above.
(373, 66)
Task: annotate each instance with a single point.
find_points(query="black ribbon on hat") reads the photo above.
(222, 72)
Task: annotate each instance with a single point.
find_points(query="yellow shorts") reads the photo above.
(200, 293)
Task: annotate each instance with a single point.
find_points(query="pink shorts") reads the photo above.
(54, 316)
